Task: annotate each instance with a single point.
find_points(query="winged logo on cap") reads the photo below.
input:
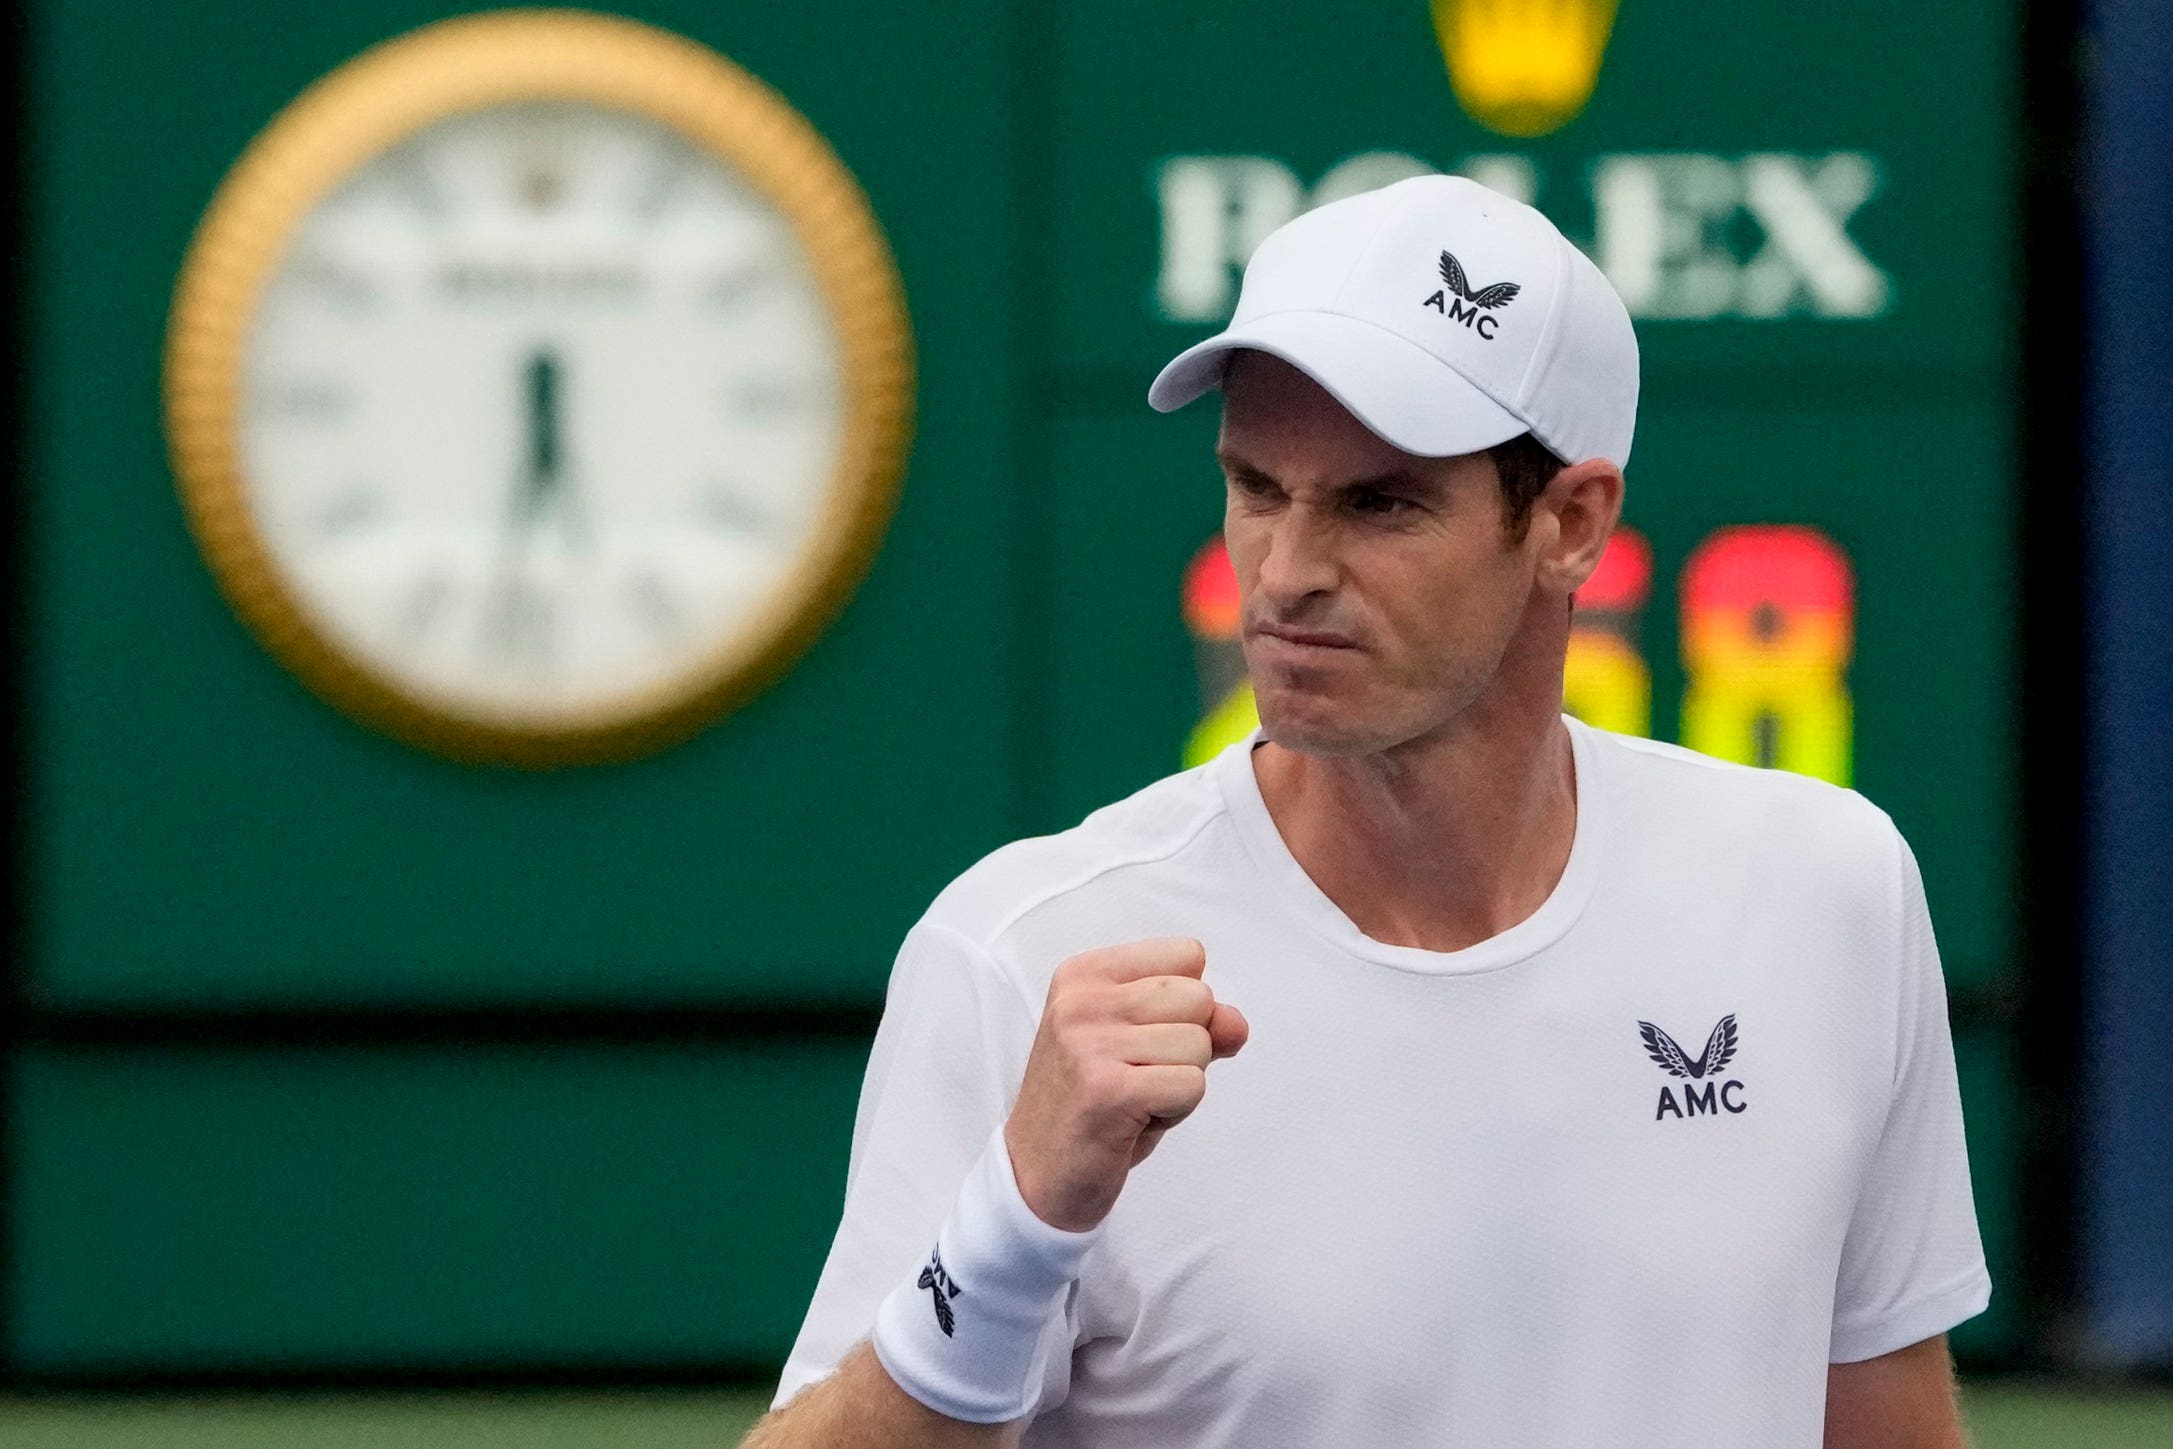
(1452, 272)
(1719, 1049)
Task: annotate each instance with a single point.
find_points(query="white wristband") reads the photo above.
(967, 1334)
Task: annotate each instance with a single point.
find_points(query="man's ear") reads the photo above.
(1583, 502)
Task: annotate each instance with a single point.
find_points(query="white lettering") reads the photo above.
(1215, 210)
(1657, 225)
(1668, 227)
(1804, 206)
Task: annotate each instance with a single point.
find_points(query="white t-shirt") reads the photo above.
(1630, 1173)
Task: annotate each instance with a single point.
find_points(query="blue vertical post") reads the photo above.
(2127, 1171)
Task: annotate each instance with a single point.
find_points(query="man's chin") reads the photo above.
(1315, 726)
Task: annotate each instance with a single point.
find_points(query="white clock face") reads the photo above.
(538, 411)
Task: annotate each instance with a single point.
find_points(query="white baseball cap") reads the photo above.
(1445, 316)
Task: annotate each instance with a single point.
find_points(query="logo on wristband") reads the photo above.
(937, 1281)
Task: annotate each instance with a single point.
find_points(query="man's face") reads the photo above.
(1380, 590)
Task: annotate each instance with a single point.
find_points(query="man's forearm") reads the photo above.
(861, 1407)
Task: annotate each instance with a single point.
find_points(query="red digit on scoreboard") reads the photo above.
(1769, 624)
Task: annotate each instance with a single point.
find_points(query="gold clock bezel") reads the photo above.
(453, 67)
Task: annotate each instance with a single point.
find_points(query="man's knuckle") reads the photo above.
(1086, 1005)
(1062, 982)
(1185, 1095)
(1064, 1009)
(1088, 964)
(1104, 1081)
(1177, 999)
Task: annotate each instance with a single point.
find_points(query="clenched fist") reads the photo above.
(1121, 1057)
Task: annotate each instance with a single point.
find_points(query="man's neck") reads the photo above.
(1440, 843)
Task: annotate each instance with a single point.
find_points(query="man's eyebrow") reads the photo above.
(1231, 462)
(1398, 478)
(1395, 478)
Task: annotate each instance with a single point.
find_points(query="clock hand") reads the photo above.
(539, 484)
(546, 482)
(507, 601)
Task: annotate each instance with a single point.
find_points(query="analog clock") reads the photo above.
(537, 385)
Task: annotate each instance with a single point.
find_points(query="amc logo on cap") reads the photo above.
(1523, 67)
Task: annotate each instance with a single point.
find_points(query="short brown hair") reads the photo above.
(1526, 466)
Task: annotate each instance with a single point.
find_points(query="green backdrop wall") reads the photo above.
(1820, 250)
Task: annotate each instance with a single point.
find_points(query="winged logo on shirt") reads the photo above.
(1719, 1049)
(1452, 272)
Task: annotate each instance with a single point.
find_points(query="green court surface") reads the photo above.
(2003, 1416)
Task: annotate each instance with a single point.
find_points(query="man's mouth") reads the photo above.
(1307, 638)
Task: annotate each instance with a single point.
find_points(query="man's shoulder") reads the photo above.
(1150, 825)
(1669, 788)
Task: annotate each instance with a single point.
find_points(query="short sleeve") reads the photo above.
(943, 1071)
(1912, 1265)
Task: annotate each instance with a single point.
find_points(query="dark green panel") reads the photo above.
(1136, 495)
(206, 830)
(202, 1210)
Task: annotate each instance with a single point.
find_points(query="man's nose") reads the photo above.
(1300, 559)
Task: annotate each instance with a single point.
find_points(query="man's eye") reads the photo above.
(1366, 500)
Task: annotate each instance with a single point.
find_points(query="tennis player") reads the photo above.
(1570, 1091)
